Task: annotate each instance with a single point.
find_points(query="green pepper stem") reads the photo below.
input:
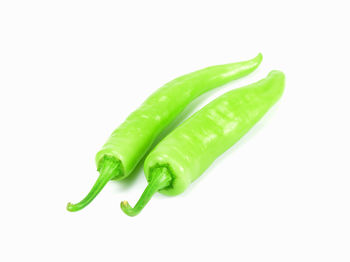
(108, 171)
(160, 179)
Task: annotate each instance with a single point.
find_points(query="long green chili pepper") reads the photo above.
(131, 140)
(189, 150)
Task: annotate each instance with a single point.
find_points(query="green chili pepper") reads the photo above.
(131, 140)
(189, 150)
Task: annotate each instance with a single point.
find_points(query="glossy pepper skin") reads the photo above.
(190, 149)
(134, 137)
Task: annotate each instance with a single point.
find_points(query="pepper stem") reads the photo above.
(109, 170)
(160, 179)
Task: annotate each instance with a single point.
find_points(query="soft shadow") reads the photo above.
(127, 182)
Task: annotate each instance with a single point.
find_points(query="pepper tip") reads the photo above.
(127, 209)
(259, 57)
(69, 207)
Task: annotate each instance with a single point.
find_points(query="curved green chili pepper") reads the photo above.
(189, 150)
(131, 140)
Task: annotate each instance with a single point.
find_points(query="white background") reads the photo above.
(71, 71)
